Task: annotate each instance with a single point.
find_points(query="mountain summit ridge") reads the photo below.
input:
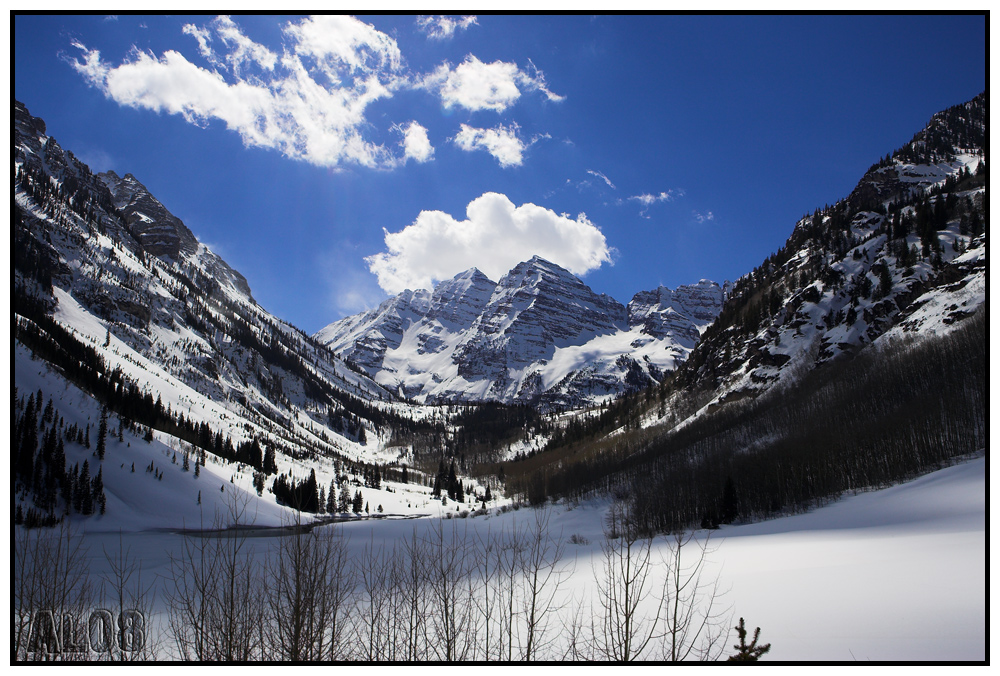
(540, 335)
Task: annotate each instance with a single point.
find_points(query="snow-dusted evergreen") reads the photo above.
(539, 336)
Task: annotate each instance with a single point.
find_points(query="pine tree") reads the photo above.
(331, 498)
(97, 491)
(730, 505)
(751, 652)
(102, 434)
(86, 496)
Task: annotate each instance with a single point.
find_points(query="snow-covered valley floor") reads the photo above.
(897, 574)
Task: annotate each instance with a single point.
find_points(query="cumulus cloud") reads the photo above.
(310, 100)
(439, 27)
(309, 103)
(494, 237)
(416, 145)
(475, 85)
(503, 143)
(703, 217)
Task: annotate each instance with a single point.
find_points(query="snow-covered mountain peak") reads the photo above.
(538, 335)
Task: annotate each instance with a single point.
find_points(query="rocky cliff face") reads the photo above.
(539, 336)
(163, 234)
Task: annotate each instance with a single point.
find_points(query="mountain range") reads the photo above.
(119, 302)
(539, 336)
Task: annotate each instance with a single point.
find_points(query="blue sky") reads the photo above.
(336, 160)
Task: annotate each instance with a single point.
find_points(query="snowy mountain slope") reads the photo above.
(540, 335)
(855, 355)
(120, 298)
(904, 254)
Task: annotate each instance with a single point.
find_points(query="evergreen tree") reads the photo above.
(84, 489)
(270, 465)
(97, 491)
(751, 652)
(331, 498)
(730, 506)
(102, 434)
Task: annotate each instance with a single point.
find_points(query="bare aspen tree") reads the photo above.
(215, 605)
(190, 599)
(510, 559)
(374, 610)
(628, 610)
(240, 609)
(487, 562)
(131, 602)
(450, 616)
(339, 589)
(306, 596)
(52, 593)
(413, 595)
(696, 626)
(542, 578)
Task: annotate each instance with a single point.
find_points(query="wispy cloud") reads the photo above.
(440, 27)
(495, 236)
(646, 200)
(602, 177)
(704, 217)
(475, 85)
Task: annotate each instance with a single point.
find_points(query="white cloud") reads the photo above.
(647, 199)
(602, 177)
(475, 85)
(703, 217)
(494, 237)
(501, 142)
(439, 27)
(310, 100)
(295, 104)
(336, 41)
(416, 145)
(204, 38)
(243, 49)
